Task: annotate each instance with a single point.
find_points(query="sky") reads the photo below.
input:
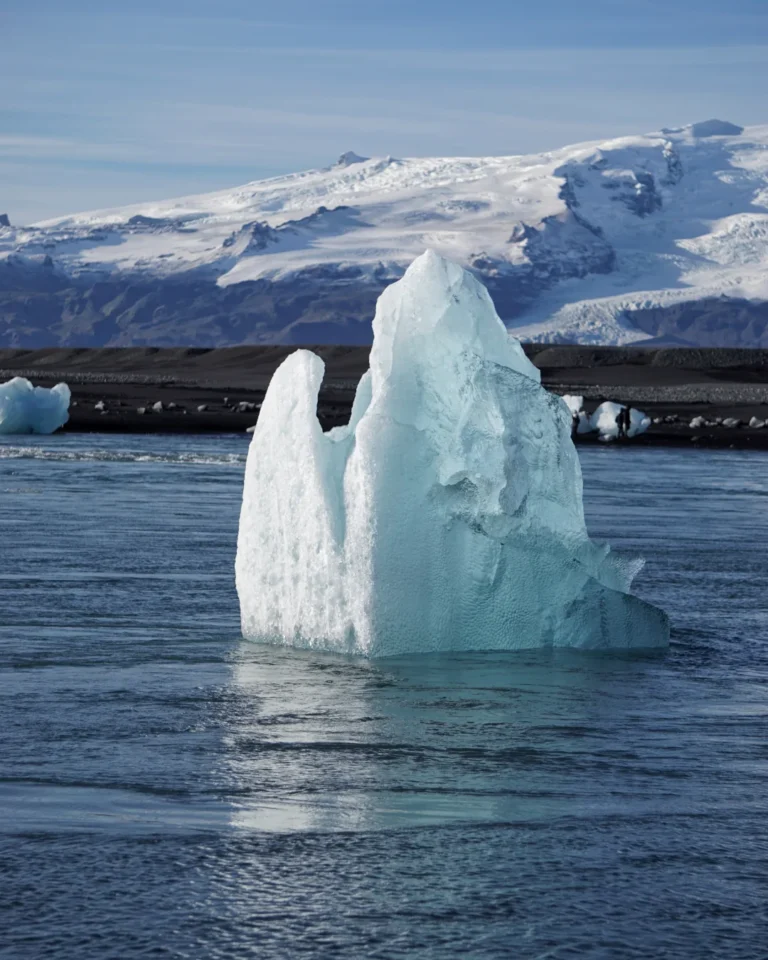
(109, 103)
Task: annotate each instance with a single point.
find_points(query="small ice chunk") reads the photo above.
(756, 423)
(575, 406)
(158, 407)
(605, 420)
(28, 409)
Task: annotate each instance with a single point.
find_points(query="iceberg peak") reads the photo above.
(438, 305)
(446, 516)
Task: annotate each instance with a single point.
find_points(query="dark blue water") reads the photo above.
(168, 790)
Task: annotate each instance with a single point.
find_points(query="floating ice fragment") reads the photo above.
(446, 515)
(28, 409)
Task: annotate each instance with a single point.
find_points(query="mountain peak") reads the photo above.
(349, 158)
(708, 128)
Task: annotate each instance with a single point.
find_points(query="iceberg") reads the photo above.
(28, 409)
(446, 516)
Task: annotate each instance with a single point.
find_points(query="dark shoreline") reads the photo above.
(664, 382)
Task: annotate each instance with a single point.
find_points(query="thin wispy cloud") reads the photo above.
(166, 88)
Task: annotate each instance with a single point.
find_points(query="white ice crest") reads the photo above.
(446, 516)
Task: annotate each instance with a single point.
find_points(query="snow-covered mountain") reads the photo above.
(656, 236)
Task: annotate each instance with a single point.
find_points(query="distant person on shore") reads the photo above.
(624, 422)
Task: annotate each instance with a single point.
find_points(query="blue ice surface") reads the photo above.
(447, 516)
(25, 408)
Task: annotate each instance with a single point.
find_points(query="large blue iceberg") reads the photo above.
(447, 516)
(28, 409)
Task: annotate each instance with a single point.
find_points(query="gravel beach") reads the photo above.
(151, 390)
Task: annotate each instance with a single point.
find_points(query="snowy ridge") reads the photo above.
(571, 243)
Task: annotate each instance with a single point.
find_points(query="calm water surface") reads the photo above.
(168, 790)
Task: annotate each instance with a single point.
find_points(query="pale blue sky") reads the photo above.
(110, 103)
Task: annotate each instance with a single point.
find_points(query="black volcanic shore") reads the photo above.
(229, 383)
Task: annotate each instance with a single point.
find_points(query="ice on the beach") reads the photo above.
(447, 515)
(604, 421)
(28, 409)
(575, 406)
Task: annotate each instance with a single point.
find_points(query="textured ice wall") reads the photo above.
(28, 409)
(446, 516)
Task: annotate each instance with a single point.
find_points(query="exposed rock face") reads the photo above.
(645, 199)
(674, 165)
(253, 237)
(348, 158)
(140, 312)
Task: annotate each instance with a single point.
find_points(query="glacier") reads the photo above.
(28, 409)
(656, 235)
(446, 516)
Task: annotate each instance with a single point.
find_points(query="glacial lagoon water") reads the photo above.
(169, 790)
